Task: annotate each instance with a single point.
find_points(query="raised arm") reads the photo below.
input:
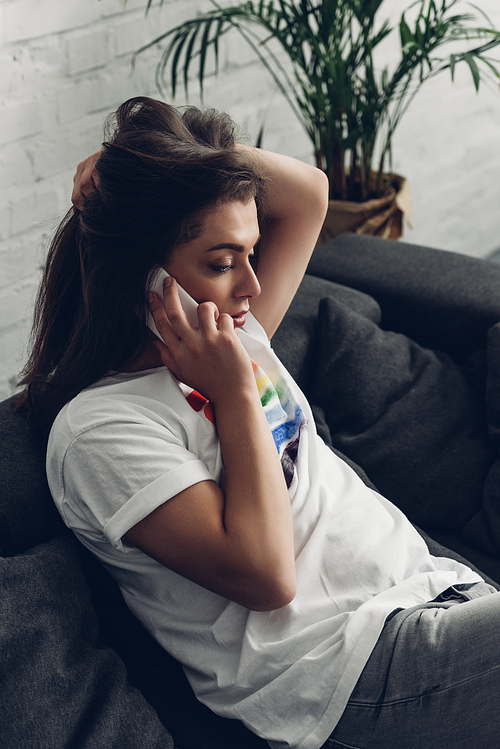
(239, 543)
(295, 204)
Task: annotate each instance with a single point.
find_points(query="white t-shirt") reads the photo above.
(129, 443)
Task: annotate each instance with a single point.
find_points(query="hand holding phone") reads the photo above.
(201, 348)
(189, 305)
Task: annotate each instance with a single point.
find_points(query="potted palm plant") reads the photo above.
(349, 107)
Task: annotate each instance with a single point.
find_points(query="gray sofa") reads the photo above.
(398, 350)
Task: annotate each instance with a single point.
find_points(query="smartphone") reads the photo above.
(189, 305)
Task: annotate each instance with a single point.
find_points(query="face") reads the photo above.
(216, 266)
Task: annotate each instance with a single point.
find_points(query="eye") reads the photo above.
(221, 268)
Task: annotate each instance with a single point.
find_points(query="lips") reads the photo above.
(239, 319)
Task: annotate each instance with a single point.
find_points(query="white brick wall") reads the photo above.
(448, 145)
(66, 64)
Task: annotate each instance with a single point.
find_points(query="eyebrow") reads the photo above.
(226, 246)
(230, 246)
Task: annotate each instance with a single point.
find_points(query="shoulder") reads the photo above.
(120, 409)
(117, 430)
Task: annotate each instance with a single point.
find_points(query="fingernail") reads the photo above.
(151, 297)
(167, 281)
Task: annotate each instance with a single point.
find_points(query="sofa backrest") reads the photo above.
(28, 515)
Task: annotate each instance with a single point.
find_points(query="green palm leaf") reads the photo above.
(347, 107)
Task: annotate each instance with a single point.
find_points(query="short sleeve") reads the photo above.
(116, 473)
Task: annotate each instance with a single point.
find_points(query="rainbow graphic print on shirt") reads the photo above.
(283, 414)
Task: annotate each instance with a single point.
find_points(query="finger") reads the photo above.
(79, 171)
(85, 181)
(173, 308)
(77, 197)
(226, 324)
(94, 174)
(208, 315)
(160, 317)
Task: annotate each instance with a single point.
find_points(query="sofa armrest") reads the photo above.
(440, 299)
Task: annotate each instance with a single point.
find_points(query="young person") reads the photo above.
(299, 600)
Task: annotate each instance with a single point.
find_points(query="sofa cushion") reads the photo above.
(157, 674)
(28, 515)
(294, 340)
(483, 531)
(443, 300)
(59, 686)
(406, 414)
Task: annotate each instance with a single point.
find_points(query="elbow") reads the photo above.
(323, 182)
(318, 192)
(272, 594)
(323, 189)
(275, 601)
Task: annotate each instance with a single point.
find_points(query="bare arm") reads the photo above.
(238, 544)
(296, 199)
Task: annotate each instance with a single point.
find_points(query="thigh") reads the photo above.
(433, 680)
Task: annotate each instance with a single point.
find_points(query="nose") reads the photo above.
(248, 285)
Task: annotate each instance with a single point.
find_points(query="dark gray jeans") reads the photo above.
(433, 679)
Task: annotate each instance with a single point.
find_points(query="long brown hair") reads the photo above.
(159, 171)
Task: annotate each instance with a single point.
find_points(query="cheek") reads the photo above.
(204, 289)
(199, 283)
(216, 290)
(188, 277)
